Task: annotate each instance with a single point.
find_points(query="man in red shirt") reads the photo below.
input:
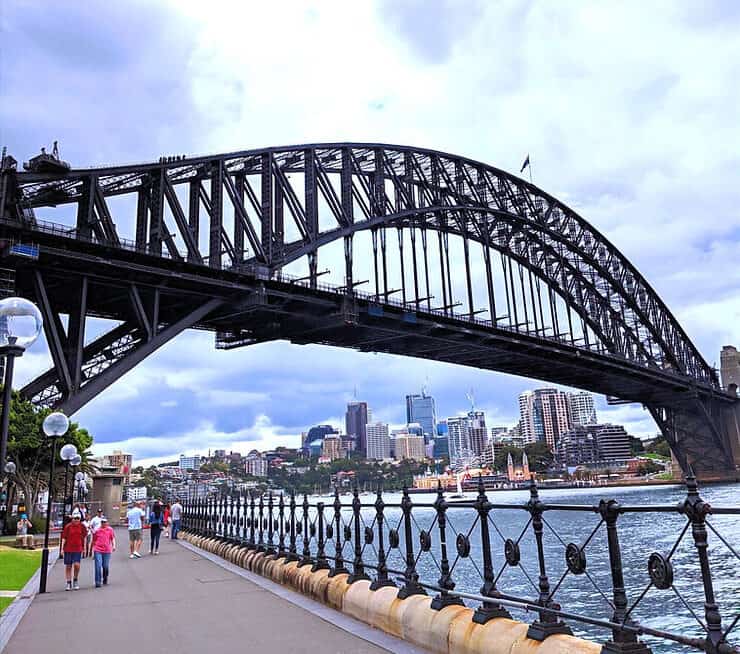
(73, 542)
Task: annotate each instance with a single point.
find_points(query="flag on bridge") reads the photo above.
(525, 164)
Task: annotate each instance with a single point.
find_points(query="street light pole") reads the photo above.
(55, 425)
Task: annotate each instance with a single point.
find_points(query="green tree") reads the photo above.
(31, 452)
(660, 446)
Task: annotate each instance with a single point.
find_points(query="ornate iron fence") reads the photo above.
(522, 562)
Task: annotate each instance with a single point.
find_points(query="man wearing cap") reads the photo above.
(73, 541)
(104, 544)
(24, 524)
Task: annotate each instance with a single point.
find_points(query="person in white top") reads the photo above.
(135, 516)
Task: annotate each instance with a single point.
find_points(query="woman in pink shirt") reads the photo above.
(104, 543)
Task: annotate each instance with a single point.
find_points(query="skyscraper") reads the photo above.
(581, 409)
(378, 441)
(544, 415)
(355, 425)
(420, 408)
(468, 436)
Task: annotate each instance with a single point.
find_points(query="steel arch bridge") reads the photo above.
(427, 254)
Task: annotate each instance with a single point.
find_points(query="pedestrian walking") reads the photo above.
(87, 545)
(95, 524)
(135, 516)
(176, 517)
(72, 543)
(167, 520)
(156, 522)
(104, 544)
(21, 530)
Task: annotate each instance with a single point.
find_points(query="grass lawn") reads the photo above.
(5, 603)
(16, 567)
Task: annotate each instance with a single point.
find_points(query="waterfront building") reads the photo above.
(332, 447)
(409, 446)
(189, 462)
(356, 419)
(459, 439)
(613, 442)
(581, 409)
(420, 409)
(729, 360)
(255, 464)
(577, 446)
(378, 441)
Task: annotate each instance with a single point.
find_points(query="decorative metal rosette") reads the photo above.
(329, 532)
(511, 552)
(575, 559)
(660, 570)
(425, 539)
(462, 542)
(393, 539)
(369, 535)
(347, 533)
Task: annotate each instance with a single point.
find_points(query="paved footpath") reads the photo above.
(177, 602)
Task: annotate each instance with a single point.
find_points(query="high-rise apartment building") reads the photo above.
(356, 420)
(581, 409)
(189, 462)
(544, 415)
(332, 447)
(378, 441)
(256, 464)
(420, 409)
(613, 442)
(593, 444)
(467, 435)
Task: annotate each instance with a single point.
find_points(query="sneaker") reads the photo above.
(137, 555)
(105, 581)
(76, 585)
(98, 585)
(131, 556)
(156, 552)
(69, 586)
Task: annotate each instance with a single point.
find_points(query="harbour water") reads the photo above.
(640, 534)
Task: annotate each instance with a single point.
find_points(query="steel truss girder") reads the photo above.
(81, 372)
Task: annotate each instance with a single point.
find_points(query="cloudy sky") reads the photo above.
(629, 111)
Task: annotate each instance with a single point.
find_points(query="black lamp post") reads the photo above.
(55, 425)
(20, 326)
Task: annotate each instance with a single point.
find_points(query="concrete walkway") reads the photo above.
(177, 602)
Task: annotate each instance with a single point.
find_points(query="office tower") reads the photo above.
(378, 441)
(478, 431)
(420, 409)
(355, 422)
(544, 415)
(409, 446)
(581, 408)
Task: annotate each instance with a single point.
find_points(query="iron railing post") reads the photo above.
(622, 641)
(306, 554)
(488, 610)
(411, 584)
(281, 537)
(339, 567)
(547, 624)
(696, 510)
(292, 549)
(358, 567)
(261, 526)
(252, 542)
(381, 579)
(445, 580)
(270, 549)
(231, 515)
(321, 562)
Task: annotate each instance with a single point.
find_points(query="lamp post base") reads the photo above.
(44, 569)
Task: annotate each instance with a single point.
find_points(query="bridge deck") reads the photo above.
(177, 602)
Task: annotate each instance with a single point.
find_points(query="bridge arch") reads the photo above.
(234, 215)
